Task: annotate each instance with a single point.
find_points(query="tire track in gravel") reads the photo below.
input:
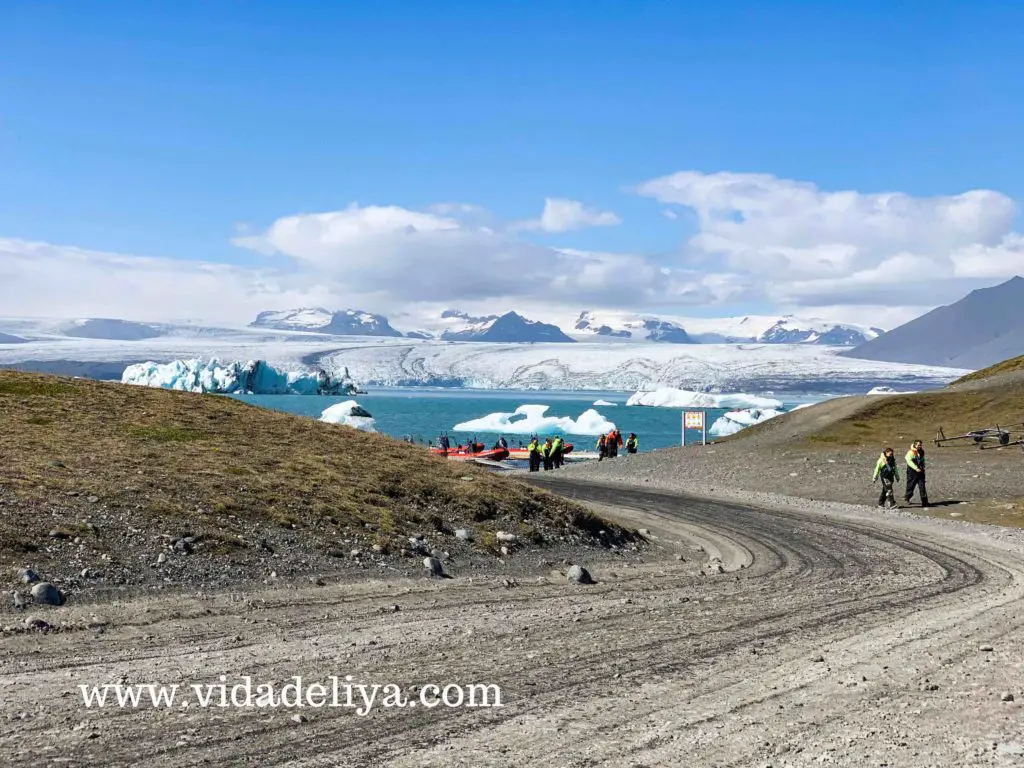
(603, 663)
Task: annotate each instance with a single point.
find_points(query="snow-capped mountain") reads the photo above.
(762, 329)
(6, 338)
(454, 325)
(637, 328)
(349, 322)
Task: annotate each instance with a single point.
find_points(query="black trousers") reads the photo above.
(915, 481)
(547, 463)
(887, 496)
(556, 458)
(534, 462)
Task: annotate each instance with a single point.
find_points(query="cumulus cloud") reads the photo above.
(417, 256)
(807, 246)
(561, 215)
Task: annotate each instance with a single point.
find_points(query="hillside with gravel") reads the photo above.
(107, 487)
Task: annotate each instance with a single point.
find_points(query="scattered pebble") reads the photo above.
(577, 574)
(433, 566)
(44, 593)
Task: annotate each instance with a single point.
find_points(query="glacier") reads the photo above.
(535, 422)
(254, 377)
(734, 421)
(668, 397)
(349, 414)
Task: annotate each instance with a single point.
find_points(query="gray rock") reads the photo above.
(55, 534)
(45, 593)
(506, 537)
(93, 499)
(986, 649)
(714, 566)
(32, 622)
(161, 559)
(433, 565)
(19, 601)
(28, 576)
(183, 545)
(1006, 696)
(464, 534)
(577, 574)
(818, 660)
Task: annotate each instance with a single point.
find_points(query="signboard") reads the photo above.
(695, 420)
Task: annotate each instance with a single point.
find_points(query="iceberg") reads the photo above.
(604, 403)
(734, 421)
(533, 421)
(890, 391)
(349, 414)
(255, 377)
(667, 397)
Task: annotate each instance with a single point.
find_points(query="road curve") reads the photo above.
(826, 640)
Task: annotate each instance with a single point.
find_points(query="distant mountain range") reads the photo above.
(459, 326)
(983, 328)
(752, 329)
(349, 322)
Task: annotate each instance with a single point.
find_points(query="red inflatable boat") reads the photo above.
(472, 451)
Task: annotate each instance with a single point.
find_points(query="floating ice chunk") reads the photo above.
(532, 420)
(890, 391)
(604, 403)
(734, 421)
(255, 377)
(667, 397)
(349, 414)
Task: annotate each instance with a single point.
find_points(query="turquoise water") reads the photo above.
(423, 413)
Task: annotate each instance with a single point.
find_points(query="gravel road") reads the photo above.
(744, 637)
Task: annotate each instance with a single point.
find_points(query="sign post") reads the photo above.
(695, 420)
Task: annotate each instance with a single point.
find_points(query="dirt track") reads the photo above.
(655, 665)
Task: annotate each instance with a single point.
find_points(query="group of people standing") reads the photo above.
(550, 453)
(608, 445)
(887, 471)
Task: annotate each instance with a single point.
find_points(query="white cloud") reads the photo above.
(43, 280)
(807, 246)
(561, 215)
(413, 256)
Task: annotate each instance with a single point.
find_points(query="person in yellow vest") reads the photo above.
(915, 473)
(533, 450)
(556, 451)
(632, 443)
(887, 471)
(547, 453)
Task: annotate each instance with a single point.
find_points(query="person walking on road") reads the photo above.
(602, 448)
(915, 473)
(887, 472)
(632, 444)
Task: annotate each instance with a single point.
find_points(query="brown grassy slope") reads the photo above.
(1012, 365)
(217, 467)
(872, 420)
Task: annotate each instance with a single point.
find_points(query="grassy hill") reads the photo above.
(1013, 365)
(92, 470)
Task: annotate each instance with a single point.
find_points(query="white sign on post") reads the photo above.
(695, 420)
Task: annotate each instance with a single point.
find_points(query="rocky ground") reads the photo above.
(741, 636)
(800, 456)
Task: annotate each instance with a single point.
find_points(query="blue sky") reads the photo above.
(153, 129)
